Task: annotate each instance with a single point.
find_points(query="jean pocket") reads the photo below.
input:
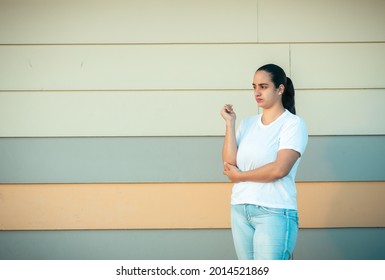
(291, 213)
(274, 211)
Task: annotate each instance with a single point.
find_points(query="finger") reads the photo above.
(228, 108)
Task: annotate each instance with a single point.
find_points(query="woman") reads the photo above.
(261, 158)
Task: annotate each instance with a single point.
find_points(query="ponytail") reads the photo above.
(288, 101)
(278, 78)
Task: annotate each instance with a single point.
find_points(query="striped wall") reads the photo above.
(109, 117)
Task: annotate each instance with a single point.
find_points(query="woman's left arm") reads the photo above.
(272, 171)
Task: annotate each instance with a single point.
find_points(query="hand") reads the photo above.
(228, 113)
(232, 172)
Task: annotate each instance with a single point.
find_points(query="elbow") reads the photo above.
(230, 160)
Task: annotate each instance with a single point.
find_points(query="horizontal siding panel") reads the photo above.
(343, 204)
(172, 244)
(160, 206)
(140, 113)
(176, 113)
(100, 206)
(321, 21)
(118, 21)
(342, 112)
(183, 244)
(132, 67)
(134, 159)
(173, 159)
(343, 158)
(320, 66)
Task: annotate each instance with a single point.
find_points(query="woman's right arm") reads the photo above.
(229, 150)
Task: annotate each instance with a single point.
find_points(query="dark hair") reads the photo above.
(278, 78)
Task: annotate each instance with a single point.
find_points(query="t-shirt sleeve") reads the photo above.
(294, 135)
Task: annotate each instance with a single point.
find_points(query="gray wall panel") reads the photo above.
(343, 158)
(78, 160)
(332, 244)
(173, 159)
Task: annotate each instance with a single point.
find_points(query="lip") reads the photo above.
(259, 100)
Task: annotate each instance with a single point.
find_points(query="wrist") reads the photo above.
(240, 176)
(230, 123)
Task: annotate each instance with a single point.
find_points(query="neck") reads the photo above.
(271, 114)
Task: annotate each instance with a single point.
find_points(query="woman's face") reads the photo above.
(265, 93)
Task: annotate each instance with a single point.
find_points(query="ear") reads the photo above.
(281, 89)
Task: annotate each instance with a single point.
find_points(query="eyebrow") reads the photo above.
(261, 84)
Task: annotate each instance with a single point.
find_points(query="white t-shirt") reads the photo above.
(258, 144)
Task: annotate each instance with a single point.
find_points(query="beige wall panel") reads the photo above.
(159, 113)
(185, 205)
(321, 21)
(177, 113)
(122, 67)
(338, 65)
(119, 21)
(117, 206)
(342, 112)
(341, 204)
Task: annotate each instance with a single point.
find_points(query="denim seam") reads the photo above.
(286, 237)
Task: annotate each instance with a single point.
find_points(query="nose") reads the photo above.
(256, 92)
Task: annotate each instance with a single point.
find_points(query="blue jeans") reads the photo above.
(263, 233)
